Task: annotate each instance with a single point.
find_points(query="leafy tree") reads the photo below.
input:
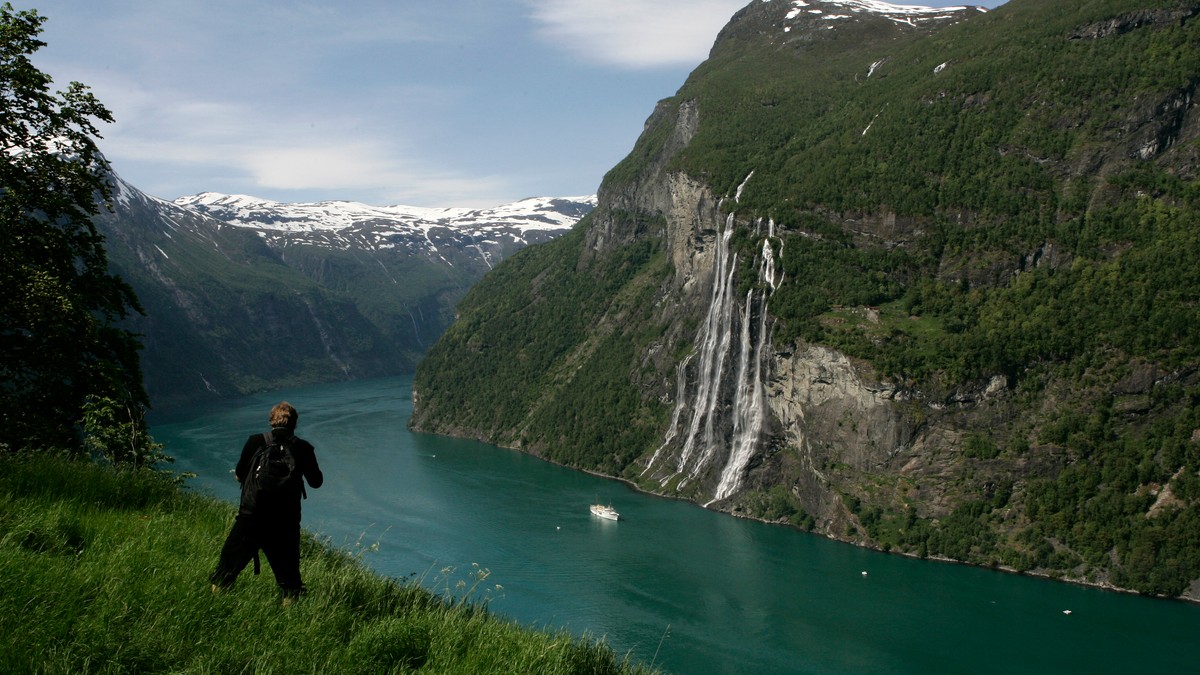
(60, 342)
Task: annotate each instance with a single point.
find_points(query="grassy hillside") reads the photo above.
(106, 571)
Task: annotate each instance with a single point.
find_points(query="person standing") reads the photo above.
(268, 516)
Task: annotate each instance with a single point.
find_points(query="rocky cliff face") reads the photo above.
(881, 303)
(748, 415)
(738, 402)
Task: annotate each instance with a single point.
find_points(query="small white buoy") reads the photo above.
(864, 573)
(557, 527)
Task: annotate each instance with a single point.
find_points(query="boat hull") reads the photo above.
(606, 512)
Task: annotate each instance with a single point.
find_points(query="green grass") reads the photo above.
(105, 571)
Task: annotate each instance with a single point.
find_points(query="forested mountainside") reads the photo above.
(925, 281)
(244, 295)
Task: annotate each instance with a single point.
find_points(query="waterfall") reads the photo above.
(767, 271)
(737, 196)
(713, 343)
(706, 436)
(749, 411)
(680, 405)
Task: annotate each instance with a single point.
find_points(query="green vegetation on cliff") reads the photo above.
(541, 355)
(1050, 205)
(1006, 201)
(219, 302)
(1028, 141)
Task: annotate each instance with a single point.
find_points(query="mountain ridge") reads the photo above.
(354, 291)
(534, 215)
(920, 288)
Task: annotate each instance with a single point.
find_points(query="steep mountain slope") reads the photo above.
(244, 294)
(925, 281)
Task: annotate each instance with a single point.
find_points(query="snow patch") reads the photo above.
(911, 15)
(352, 225)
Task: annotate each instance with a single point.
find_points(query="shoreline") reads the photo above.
(1186, 597)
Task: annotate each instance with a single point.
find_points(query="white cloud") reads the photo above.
(635, 33)
(360, 165)
(271, 148)
(376, 100)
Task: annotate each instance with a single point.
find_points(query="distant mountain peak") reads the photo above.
(837, 10)
(802, 23)
(334, 223)
(900, 13)
(336, 289)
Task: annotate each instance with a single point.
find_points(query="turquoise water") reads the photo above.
(693, 590)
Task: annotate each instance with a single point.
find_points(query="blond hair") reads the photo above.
(283, 415)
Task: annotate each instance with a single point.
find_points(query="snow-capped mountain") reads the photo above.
(538, 213)
(243, 294)
(492, 233)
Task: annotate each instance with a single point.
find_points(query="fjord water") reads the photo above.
(693, 591)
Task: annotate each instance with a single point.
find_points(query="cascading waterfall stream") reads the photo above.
(680, 406)
(699, 427)
(749, 409)
(714, 339)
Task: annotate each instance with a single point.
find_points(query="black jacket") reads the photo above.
(305, 455)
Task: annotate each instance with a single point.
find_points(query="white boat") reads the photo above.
(605, 512)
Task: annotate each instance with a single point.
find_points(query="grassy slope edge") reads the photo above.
(105, 571)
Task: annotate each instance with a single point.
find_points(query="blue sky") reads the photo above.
(415, 102)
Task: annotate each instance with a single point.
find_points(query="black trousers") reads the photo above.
(279, 540)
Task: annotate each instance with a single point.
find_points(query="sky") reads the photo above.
(439, 103)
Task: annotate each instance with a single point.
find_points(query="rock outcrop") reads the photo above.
(866, 274)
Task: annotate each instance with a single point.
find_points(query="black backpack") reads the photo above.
(272, 475)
